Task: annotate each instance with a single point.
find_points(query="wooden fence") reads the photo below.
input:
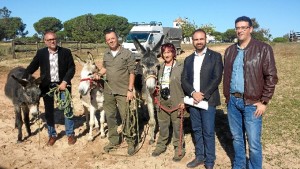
(18, 46)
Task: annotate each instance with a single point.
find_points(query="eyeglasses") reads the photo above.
(50, 40)
(242, 28)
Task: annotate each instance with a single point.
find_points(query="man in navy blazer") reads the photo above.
(57, 68)
(201, 76)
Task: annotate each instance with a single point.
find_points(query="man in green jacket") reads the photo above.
(118, 91)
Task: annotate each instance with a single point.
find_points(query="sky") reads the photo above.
(279, 16)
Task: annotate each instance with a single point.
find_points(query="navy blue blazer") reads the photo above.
(211, 76)
(66, 67)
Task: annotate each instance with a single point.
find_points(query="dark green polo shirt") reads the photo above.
(118, 69)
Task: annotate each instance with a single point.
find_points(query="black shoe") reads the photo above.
(178, 157)
(131, 149)
(209, 167)
(109, 147)
(194, 163)
(157, 152)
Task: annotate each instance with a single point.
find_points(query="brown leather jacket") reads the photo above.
(260, 72)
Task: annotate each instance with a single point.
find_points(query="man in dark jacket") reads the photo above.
(57, 68)
(201, 76)
(250, 77)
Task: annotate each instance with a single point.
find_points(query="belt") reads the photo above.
(237, 95)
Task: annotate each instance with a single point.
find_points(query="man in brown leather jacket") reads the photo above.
(249, 81)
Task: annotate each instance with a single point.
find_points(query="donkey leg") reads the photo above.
(19, 122)
(96, 123)
(152, 122)
(87, 117)
(102, 120)
(91, 123)
(26, 119)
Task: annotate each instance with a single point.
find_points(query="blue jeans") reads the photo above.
(243, 121)
(69, 123)
(203, 126)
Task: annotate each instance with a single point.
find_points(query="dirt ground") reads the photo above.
(33, 152)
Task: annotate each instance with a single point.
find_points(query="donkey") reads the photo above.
(91, 95)
(150, 66)
(25, 96)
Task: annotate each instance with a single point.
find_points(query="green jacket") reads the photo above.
(176, 92)
(118, 69)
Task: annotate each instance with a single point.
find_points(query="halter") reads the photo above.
(93, 83)
(151, 76)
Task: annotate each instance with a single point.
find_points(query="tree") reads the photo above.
(188, 28)
(62, 35)
(13, 27)
(4, 13)
(120, 24)
(208, 28)
(2, 34)
(218, 36)
(83, 28)
(30, 39)
(229, 35)
(47, 24)
(260, 33)
(90, 27)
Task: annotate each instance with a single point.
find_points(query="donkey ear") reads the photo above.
(138, 46)
(157, 46)
(90, 56)
(82, 62)
(23, 82)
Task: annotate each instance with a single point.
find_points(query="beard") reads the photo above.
(200, 48)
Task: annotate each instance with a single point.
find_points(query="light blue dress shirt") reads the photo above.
(237, 77)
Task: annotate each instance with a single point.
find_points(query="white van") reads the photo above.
(147, 34)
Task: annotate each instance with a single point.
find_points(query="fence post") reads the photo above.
(13, 47)
(97, 46)
(80, 46)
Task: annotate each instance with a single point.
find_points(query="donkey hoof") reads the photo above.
(19, 141)
(151, 142)
(90, 138)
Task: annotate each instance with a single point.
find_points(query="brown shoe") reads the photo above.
(71, 140)
(51, 141)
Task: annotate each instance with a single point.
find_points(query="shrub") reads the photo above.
(280, 39)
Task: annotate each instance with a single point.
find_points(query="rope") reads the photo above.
(63, 102)
(130, 120)
(180, 133)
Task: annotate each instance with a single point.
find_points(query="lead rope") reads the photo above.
(132, 118)
(63, 102)
(180, 133)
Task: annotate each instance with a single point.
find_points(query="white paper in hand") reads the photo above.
(190, 101)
